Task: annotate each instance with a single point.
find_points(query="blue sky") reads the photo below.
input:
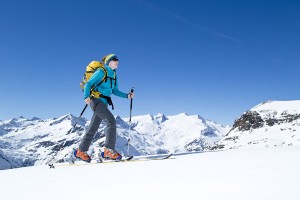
(215, 58)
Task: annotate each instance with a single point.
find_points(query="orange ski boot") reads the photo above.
(111, 154)
(82, 155)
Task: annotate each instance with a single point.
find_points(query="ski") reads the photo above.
(131, 159)
(122, 160)
(164, 157)
(103, 161)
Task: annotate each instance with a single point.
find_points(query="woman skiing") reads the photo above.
(108, 85)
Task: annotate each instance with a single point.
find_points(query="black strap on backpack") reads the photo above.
(111, 79)
(108, 99)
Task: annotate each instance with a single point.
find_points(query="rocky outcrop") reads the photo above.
(249, 120)
(271, 123)
(253, 120)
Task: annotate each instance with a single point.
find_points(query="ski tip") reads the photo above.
(168, 156)
(129, 158)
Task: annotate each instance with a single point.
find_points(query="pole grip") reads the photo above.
(131, 91)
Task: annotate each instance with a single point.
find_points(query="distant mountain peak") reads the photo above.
(271, 123)
(183, 114)
(161, 118)
(35, 118)
(279, 106)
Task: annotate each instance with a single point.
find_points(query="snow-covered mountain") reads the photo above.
(26, 142)
(272, 123)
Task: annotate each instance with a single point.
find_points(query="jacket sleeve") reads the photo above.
(118, 93)
(94, 80)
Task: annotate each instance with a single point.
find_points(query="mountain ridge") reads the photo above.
(36, 140)
(25, 142)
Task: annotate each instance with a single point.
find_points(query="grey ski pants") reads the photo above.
(101, 113)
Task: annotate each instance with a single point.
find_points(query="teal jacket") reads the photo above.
(106, 88)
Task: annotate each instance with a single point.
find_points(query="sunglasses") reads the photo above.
(115, 59)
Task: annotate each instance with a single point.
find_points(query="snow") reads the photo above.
(277, 135)
(284, 132)
(173, 133)
(278, 107)
(260, 173)
(256, 163)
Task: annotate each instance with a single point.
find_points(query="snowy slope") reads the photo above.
(177, 133)
(272, 123)
(26, 142)
(247, 174)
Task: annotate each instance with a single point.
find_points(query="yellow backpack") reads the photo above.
(90, 70)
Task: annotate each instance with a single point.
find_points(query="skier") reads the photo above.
(101, 111)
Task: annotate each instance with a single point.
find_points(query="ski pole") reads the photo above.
(129, 124)
(62, 144)
(82, 110)
(77, 120)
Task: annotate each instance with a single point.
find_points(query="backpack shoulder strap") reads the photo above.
(105, 73)
(104, 77)
(115, 77)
